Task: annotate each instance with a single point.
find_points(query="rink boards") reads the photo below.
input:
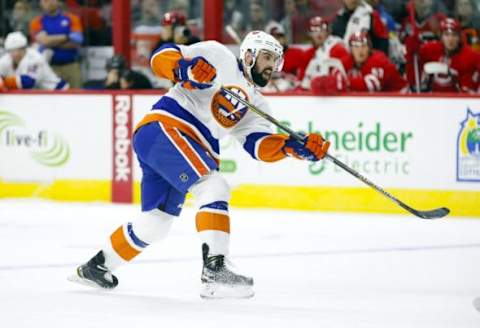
(424, 150)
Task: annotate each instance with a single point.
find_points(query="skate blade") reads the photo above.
(220, 291)
(85, 282)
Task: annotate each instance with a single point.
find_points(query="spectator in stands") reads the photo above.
(20, 18)
(365, 70)
(325, 47)
(396, 50)
(25, 68)
(257, 16)
(120, 76)
(175, 30)
(293, 62)
(466, 12)
(357, 15)
(234, 22)
(59, 35)
(290, 11)
(148, 21)
(95, 29)
(296, 20)
(456, 63)
(301, 21)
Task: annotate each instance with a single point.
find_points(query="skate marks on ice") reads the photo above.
(265, 255)
(197, 306)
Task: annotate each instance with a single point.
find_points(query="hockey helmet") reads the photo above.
(256, 41)
(318, 24)
(15, 40)
(274, 28)
(358, 38)
(451, 25)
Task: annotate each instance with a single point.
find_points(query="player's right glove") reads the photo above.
(312, 148)
(195, 73)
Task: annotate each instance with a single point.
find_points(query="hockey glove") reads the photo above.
(312, 148)
(196, 73)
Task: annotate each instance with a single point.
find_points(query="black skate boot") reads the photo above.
(94, 273)
(219, 281)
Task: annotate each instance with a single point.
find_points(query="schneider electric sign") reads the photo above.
(45, 147)
(368, 139)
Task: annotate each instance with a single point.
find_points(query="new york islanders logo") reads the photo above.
(468, 148)
(227, 110)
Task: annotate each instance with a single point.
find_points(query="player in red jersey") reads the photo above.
(365, 70)
(459, 70)
(325, 46)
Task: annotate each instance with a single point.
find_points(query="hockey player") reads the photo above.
(177, 145)
(365, 70)
(461, 59)
(325, 47)
(25, 68)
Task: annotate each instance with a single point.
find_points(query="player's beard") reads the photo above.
(259, 77)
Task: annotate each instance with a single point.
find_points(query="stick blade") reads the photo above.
(432, 214)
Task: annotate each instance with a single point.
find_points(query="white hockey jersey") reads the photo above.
(323, 61)
(209, 114)
(33, 71)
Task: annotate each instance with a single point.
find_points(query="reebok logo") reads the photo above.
(122, 141)
(122, 153)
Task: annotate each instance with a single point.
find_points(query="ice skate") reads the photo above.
(95, 274)
(219, 281)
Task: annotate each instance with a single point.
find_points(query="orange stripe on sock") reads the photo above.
(212, 221)
(187, 150)
(121, 245)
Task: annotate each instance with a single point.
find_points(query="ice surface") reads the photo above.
(310, 270)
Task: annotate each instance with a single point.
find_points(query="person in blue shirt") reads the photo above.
(60, 35)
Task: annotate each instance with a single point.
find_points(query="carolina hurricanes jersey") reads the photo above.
(208, 115)
(316, 58)
(462, 66)
(376, 74)
(33, 71)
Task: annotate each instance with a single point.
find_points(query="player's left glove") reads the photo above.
(312, 148)
(195, 73)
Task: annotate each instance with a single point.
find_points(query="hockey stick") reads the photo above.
(413, 24)
(432, 214)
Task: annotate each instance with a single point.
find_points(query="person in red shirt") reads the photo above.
(365, 70)
(324, 47)
(460, 61)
